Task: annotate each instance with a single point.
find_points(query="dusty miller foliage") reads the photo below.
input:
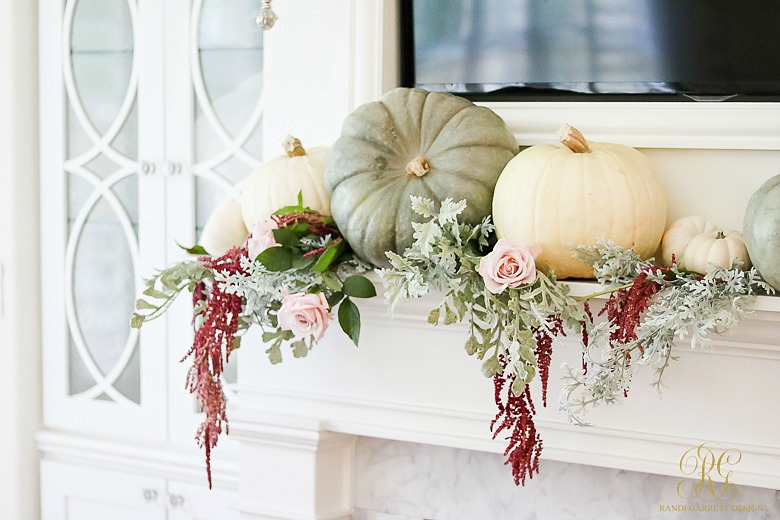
(688, 306)
(444, 257)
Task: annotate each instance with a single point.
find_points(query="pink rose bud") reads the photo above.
(305, 314)
(510, 264)
(262, 237)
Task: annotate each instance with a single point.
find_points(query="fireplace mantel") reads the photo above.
(410, 381)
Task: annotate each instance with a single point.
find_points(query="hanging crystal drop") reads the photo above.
(266, 18)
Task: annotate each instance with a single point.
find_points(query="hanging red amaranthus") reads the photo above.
(516, 412)
(544, 344)
(516, 415)
(213, 343)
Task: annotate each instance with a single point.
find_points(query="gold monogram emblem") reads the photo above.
(700, 462)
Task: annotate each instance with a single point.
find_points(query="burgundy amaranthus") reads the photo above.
(516, 415)
(543, 352)
(625, 307)
(215, 335)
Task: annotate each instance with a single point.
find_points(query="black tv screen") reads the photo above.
(575, 49)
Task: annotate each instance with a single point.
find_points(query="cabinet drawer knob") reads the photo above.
(146, 167)
(172, 168)
(175, 501)
(150, 495)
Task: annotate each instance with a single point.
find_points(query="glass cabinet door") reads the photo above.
(90, 173)
(214, 133)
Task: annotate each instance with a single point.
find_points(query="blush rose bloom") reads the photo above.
(510, 264)
(262, 237)
(305, 314)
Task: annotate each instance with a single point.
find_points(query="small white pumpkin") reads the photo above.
(680, 234)
(276, 183)
(715, 248)
(224, 229)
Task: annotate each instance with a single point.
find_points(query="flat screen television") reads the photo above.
(593, 49)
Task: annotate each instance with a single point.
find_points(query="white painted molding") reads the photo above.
(298, 470)
(725, 126)
(157, 459)
(413, 382)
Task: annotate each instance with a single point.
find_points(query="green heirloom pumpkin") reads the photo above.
(762, 230)
(412, 142)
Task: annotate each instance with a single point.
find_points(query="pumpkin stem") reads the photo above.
(720, 235)
(292, 145)
(572, 139)
(417, 166)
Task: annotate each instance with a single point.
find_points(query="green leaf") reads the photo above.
(142, 305)
(299, 349)
(274, 353)
(335, 298)
(449, 315)
(303, 263)
(491, 367)
(329, 256)
(331, 282)
(518, 386)
(154, 293)
(287, 236)
(194, 250)
(349, 319)
(433, 316)
(236, 342)
(472, 345)
(137, 320)
(299, 208)
(358, 286)
(276, 259)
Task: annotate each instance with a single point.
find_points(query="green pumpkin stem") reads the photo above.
(720, 235)
(292, 145)
(572, 139)
(417, 166)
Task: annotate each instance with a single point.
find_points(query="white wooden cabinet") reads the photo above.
(151, 115)
(74, 492)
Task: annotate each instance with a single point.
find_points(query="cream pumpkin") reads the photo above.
(556, 197)
(276, 183)
(224, 229)
(680, 234)
(715, 249)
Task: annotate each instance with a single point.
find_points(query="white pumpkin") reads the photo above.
(557, 197)
(224, 229)
(276, 183)
(715, 248)
(680, 234)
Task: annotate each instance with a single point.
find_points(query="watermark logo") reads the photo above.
(708, 487)
(703, 463)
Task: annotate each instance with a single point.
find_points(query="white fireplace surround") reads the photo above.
(297, 422)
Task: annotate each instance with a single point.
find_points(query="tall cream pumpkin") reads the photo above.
(556, 197)
(276, 183)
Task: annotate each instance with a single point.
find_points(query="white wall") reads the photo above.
(20, 401)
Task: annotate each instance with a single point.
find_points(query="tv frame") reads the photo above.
(484, 92)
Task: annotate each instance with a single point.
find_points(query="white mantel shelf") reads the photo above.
(410, 381)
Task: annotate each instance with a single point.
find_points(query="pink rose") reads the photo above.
(305, 314)
(510, 264)
(262, 237)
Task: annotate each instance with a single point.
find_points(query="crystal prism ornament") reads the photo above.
(266, 18)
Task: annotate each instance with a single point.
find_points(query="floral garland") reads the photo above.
(514, 313)
(649, 308)
(293, 271)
